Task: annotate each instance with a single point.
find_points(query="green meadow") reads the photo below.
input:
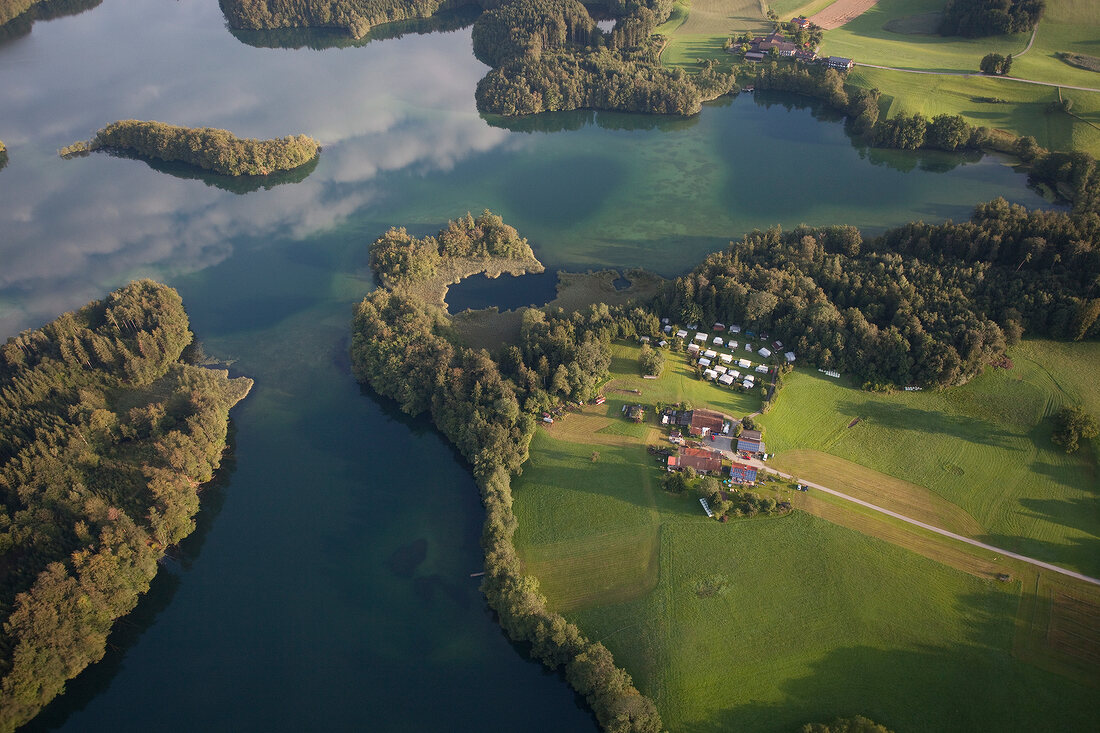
(984, 447)
(877, 37)
(765, 624)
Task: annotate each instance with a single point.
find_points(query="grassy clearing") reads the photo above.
(811, 621)
(698, 29)
(984, 447)
(866, 40)
(787, 9)
(878, 488)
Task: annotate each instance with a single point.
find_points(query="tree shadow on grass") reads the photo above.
(970, 686)
(896, 416)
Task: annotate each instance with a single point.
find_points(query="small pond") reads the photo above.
(505, 292)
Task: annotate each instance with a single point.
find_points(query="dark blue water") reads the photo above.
(505, 292)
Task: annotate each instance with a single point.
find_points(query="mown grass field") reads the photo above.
(984, 447)
(763, 625)
(698, 29)
(767, 623)
(1068, 25)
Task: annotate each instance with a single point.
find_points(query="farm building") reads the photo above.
(726, 379)
(744, 363)
(750, 441)
(710, 354)
(731, 345)
(726, 358)
(763, 368)
(701, 337)
(704, 362)
(701, 459)
(736, 374)
(840, 63)
(709, 374)
(748, 382)
(754, 56)
(790, 357)
(721, 369)
(681, 334)
(742, 473)
(704, 422)
(764, 352)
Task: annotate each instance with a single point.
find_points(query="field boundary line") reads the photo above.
(972, 74)
(937, 530)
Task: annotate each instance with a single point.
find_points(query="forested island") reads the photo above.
(106, 437)
(547, 55)
(204, 147)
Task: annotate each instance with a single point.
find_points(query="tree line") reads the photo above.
(405, 350)
(355, 17)
(976, 18)
(397, 258)
(105, 439)
(205, 147)
(907, 132)
(922, 304)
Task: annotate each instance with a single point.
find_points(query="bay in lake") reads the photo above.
(328, 586)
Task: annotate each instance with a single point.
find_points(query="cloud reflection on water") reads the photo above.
(75, 229)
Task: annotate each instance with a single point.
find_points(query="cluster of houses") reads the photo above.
(701, 423)
(761, 46)
(725, 367)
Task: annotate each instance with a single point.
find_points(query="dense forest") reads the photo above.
(356, 17)
(922, 304)
(105, 439)
(398, 258)
(976, 18)
(205, 147)
(403, 349)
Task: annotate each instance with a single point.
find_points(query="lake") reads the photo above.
(329, 585)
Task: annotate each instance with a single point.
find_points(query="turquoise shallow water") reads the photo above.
(329, 584)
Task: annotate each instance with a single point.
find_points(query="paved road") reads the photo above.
(930, 528)
(969, 74)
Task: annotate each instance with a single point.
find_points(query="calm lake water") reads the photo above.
(329, 584)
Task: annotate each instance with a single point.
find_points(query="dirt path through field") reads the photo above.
(931, 528)
(841, 12)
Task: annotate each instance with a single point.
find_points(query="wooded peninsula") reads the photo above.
(205, 147)
(106, 437)
(925, 305)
